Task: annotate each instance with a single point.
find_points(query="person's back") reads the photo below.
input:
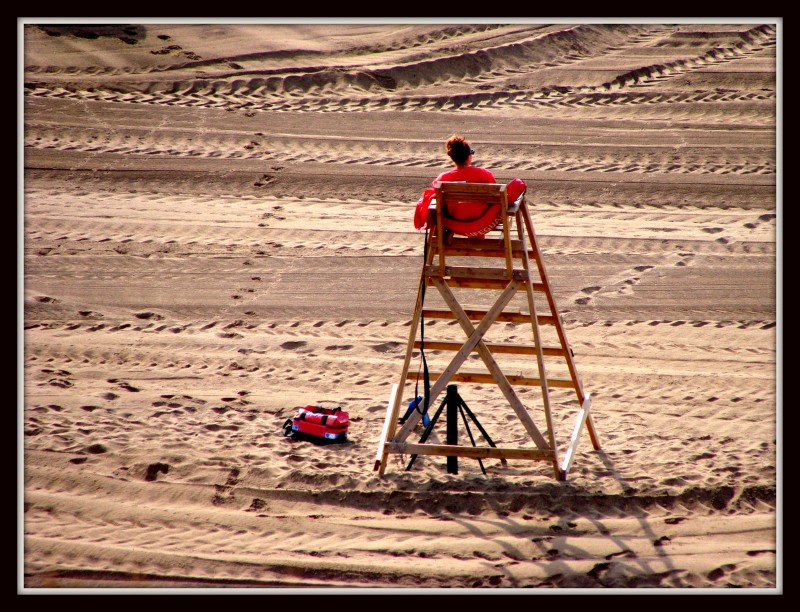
(459, 150)
(473, 219)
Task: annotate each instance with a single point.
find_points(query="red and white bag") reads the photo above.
(319, 422)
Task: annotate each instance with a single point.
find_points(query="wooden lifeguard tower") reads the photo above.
(518, 254)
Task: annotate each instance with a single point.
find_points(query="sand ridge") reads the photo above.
(218, 230)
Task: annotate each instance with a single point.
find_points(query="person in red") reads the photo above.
(472, 219)
(459, 150)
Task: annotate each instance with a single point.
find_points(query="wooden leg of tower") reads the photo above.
(507, 236)
(439, 230)
(562, 336)
(381, 455)
(539, 355)
(397, 398)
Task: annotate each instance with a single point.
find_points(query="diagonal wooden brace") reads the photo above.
(475, 337)
(493, 367)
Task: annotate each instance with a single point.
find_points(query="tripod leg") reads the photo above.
(469, 433)
(481, 429)
(428, 431)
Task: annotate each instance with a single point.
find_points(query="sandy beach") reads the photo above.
(217, 230)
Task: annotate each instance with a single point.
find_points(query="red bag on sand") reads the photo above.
(316, 421)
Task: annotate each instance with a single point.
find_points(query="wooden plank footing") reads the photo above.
(474, 452)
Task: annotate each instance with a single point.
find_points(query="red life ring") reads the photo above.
(490, 219)
(478, 227)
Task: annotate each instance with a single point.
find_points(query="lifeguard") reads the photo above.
(473, 219)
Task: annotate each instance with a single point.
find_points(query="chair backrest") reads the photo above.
(492, 194)
(489, 193)
(482, 203)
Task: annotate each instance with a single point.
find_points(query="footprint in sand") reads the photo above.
(215, 427)
(387, 347)
(292, 345)
(265, 179)
(58, 382)
(90, 313)
(257, 504)
(719, 572)
(57, 372)
(154, 469)
(660, 541)
(233, 477)
(230, 335)
(149, 315)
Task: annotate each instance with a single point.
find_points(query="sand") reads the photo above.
(218, 231)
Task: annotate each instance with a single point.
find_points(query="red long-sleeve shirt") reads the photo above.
(466, 211)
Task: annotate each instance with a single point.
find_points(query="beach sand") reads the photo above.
(218, 230)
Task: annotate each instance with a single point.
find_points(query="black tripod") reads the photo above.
(455, 406)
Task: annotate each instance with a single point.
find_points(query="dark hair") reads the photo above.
(458, 149)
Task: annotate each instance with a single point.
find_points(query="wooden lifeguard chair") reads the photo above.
(516, 275)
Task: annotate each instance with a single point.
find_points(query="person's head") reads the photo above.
(458, 149)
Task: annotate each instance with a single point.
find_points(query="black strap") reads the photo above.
(426, 376)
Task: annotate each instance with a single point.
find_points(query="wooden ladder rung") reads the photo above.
(479, 283)
(483, 247)
(486, 378)
(512, 207)
(479, 278)
(494, 347)
(477, 314)
(468, 272)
